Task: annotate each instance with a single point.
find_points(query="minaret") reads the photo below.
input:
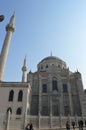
(24, 69)
(4, 52)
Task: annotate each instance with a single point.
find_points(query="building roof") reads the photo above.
(49, 58)
(52, 60)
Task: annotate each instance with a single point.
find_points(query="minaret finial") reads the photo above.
(77, 70)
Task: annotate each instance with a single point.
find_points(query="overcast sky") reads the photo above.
(42, 27)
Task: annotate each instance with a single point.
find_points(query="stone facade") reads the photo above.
(56, 90)
(51, 96)
(47, 99)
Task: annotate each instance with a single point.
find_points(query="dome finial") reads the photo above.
(51, 53)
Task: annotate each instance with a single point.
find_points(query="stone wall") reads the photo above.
(15, 122)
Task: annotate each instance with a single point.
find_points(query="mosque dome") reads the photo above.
(51, 61)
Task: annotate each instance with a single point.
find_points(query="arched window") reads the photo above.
(9, 109)
(54, 84)
(46, 66)
(11, 95)
(20, 95)
(19, 111)
(44, 88)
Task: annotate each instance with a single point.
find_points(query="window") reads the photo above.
(34, 105)
(20, 95)
(11, 95)
(65, 90)
(41, 67)
(54, 84)
(18, 112)
(66, 110)
(85, 91)
(44, 88)
(58, 66)
(55, 111)
(45, 111)
(46, 66)
(9, 109)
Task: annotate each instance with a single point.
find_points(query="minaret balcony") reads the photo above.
(10, 28)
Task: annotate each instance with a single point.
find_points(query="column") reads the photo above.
(70, 99)
(61, 99)
(40, 86)
(8, 120)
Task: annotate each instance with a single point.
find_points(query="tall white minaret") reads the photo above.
(24, 69)
(4, 52)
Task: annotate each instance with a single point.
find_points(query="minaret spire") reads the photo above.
(24, 69)
(4, 52)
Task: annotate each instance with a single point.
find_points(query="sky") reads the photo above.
(42, 27)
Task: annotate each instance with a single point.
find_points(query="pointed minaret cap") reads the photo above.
(12, 20)
(10, 25)
(24, 69)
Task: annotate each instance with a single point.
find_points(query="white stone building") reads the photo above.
(49, 97)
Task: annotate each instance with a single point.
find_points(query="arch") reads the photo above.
(9, 109)
(19, 111)
(11, 95)
(20, 95)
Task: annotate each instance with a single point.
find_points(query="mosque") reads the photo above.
(49, 97)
